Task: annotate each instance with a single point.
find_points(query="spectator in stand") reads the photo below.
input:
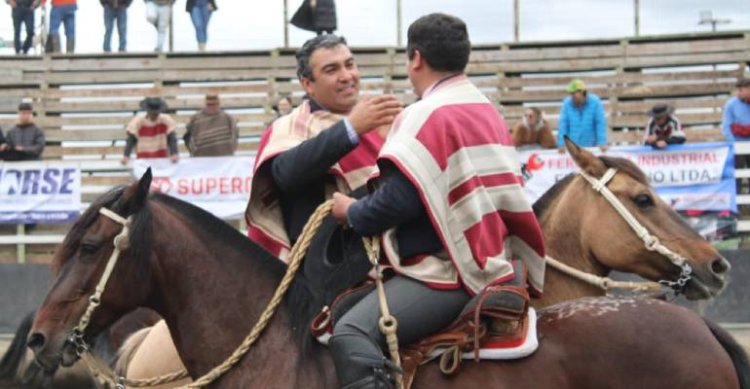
(582, 118)
(25, 141)
(116, 10)
(63, 11)
(736, 123)
(211, 132)
(663, 128)
(23, 14)
(283, 106)
(152, 133)
(318, 16)
(2, 145)
(158, 13)
(200, 13)
(533, 131)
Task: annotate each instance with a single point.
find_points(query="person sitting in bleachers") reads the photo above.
(663, 128)
(533, 131)
(25, 141)
(153, 132)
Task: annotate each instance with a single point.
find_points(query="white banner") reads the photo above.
(220, 185)
(39, 192)
(694, 176)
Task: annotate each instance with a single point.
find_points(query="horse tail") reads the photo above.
(16, 350)
(128, 349)
(735, 351)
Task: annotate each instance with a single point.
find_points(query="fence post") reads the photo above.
(20, 247)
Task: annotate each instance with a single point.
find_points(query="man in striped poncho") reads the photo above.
(449, 206)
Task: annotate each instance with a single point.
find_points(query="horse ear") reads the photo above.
(135, 195)
(585, 160)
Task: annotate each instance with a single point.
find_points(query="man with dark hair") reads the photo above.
(449, 206)
(25, 141)
(325, 144)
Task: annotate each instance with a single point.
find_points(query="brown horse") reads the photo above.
(211, 284)
(583, 230)
(571, 215)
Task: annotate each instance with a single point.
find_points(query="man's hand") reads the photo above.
(174, 158)
(341, 205)
(372, 112)
(603, 148)
(210, 7)
(651, 139)
(661, 144)
(3, 147)
(561, 150)
(18, 148)
(124, 160)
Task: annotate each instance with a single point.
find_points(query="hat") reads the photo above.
(660, 110)
(575, 86)
(743, 82)
(153, 104)
(25, 107)
(212, 98)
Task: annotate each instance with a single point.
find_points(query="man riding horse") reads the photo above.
(326, 144)
(449, 205)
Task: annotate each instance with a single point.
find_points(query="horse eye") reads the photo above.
(643, 201)
(88, 248)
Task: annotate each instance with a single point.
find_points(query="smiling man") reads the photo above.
(324, 145)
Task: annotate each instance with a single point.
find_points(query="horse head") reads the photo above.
(58, 333)
(665, 248)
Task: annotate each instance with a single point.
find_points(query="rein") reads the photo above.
(387, 323)
(650, 241)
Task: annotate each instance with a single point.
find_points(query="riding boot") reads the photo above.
(70, 45)
(360, 363)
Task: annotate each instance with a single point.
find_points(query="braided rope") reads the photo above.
(387, 323)
(298, 252)
(296, 255)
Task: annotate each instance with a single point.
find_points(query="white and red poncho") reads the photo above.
(456, 150)
(263, 214)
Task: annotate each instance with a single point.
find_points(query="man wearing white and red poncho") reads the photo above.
(326, 144)
(448, 203)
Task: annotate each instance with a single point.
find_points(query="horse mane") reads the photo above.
(16, 350)
(302, 304)
(621, 164)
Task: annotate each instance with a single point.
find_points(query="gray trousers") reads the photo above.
(358, 345)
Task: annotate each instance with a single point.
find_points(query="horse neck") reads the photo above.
(210, 296)
(562, 225)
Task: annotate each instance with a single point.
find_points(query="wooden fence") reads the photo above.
(83, 102)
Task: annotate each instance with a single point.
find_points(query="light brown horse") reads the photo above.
(210, 284)
(572, 216)
(583, 230)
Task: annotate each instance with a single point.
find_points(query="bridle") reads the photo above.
(120, 242)
(650, 241)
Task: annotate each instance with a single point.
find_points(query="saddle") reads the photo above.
(498, 318)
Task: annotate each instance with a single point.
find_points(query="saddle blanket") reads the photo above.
(521, 348)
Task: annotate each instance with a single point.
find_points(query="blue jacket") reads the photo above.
(736, 111)
(585, 125)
